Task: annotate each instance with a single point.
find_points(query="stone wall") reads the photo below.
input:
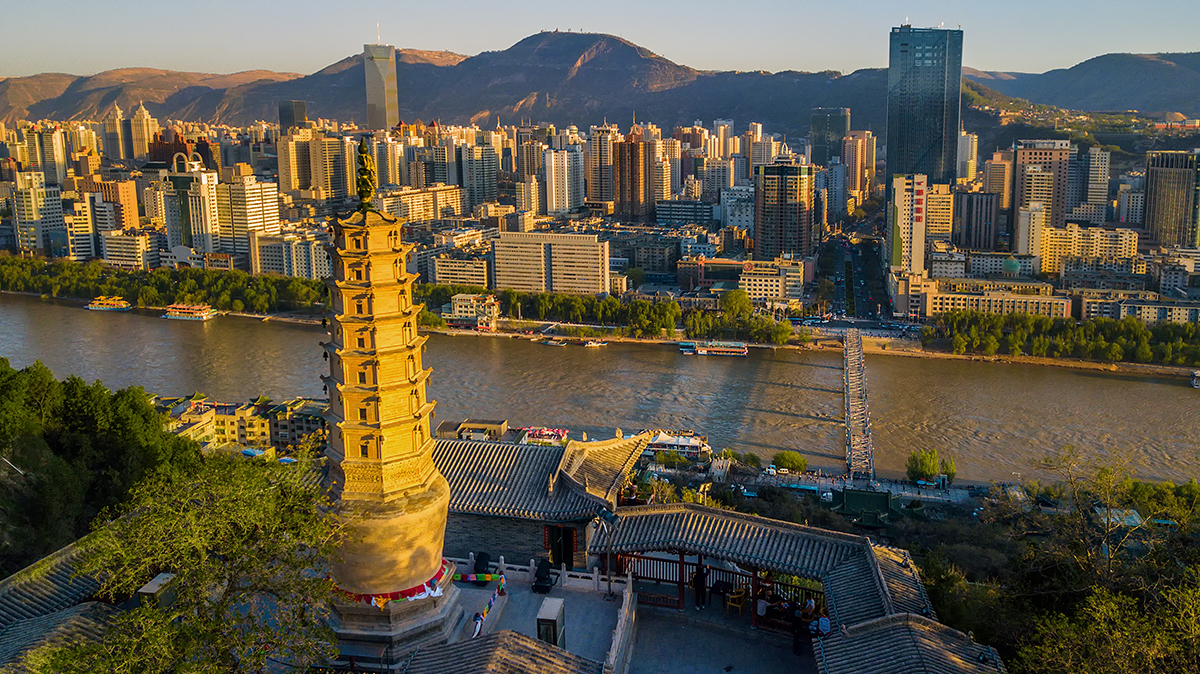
(517, 539)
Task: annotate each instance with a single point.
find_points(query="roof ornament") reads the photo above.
(366, 177)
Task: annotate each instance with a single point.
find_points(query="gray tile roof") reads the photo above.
(904, 586)
(503, 652)
(84, 622)
(903, 643)
(535, 481)
(854, 592)
(743, 539)
(44, 587)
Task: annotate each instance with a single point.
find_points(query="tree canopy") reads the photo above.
(249, 542)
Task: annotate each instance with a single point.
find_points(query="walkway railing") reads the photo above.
(860, 450)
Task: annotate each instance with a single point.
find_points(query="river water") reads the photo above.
(994, 419)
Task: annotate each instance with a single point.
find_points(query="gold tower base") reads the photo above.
(375, 639)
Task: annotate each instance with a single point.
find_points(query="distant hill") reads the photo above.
(1113, 82)
(564, 78)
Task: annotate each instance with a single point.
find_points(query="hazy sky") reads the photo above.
(222, 36)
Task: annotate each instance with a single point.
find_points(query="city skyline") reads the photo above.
(706, 45)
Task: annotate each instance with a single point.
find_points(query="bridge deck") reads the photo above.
(860, 450)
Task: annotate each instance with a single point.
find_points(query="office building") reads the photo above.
(1172, 210)
(480, 165)
(81, 230)
(630, 180)
(564, 180)
(858, 154)
(38, 215)
(116, 137)
(142, 128)
(294, 251)
(719, 175)
(998, 177)
(939, 213)
(295, 169)
(599, 157)
(383, 99)
(1031, 220)
(131, 249)
(1060, 243)
(976, 220)
(122, 194)
(460, 271)
(968, 153)
(544, 262)
(784, 211)
(421, 205)
(46, 151)
(246, 206)
(1041, 169)
(191, 210)
(292, 115)
(924, 87)
(906, 224)
(827, 129)
(330, 162)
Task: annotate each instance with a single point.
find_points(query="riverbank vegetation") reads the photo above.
(925, 465)
(71, 449)
(735, 318)
(1127, 340)
(223, 290)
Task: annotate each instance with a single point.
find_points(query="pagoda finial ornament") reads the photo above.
(367, 179)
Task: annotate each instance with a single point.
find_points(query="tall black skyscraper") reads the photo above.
(291, 115)
(829, 127)
(924, 86)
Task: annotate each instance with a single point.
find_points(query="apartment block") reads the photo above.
(546, 262)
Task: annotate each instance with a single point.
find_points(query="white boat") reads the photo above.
(1196, 379)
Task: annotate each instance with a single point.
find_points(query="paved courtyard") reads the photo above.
(703, 642)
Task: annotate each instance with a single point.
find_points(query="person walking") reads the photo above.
(700, 585)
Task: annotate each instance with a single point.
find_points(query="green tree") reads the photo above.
(989, 345)
(736, 304)
(249, 543)
(922, 465)
(958, 345)
(637, 277)
(927, 336)
(948, 469)
(751, 459)
(790, 460)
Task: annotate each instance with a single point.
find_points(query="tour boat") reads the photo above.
(720, 349)
(190, 312)
(1196, 379)
(554, 342)
(109, 303)
(595, 343)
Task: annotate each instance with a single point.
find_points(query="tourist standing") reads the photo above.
(700, 585)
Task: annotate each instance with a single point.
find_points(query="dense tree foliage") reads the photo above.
(224, 290)
(81, 448)
(1127, 340)
(250, 544)
(793, 461)
(926, 465)
(638, 318)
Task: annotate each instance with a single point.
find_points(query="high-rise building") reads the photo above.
(858, 154)
(906, 223)
(1058, 243)
(529, 159)
(529, 195)
(327, 162)
(245, 207)
(142, 128)
(976, 220)
(383, 98)
(599, 157)
(116, 138)
(295, 171)
(544, 262)
(1172, 215)
(629, 178)
(924, 88)
(564, 180)
(38, 216)
(968, 153)
(46, 151)
(1031, 221)
(718, 175)
(998, 177)
(381, 472)
(784, 218)
(292, 115)
(939, 213)
(122, 194)
(192, 218)
(480, 168)
(1040, 171)
(827, 129)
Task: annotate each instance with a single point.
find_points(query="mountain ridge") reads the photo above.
(578, 78)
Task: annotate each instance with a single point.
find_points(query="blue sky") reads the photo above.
(303, 36)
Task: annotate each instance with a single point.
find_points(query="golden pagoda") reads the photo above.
(395, 589)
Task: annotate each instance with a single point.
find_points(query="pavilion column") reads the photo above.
(682, 580)
(753, 598)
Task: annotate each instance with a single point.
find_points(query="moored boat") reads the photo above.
(109, 303)
(721, 349)
(595, 343)
(554, 342)
(1196, 379)
(190, 312)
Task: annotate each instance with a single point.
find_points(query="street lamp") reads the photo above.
(609, 520)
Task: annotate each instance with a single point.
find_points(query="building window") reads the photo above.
(364, 450)
(358, 275)
(362, 342)
(358, 307)
(362, 413)
(362, 377)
